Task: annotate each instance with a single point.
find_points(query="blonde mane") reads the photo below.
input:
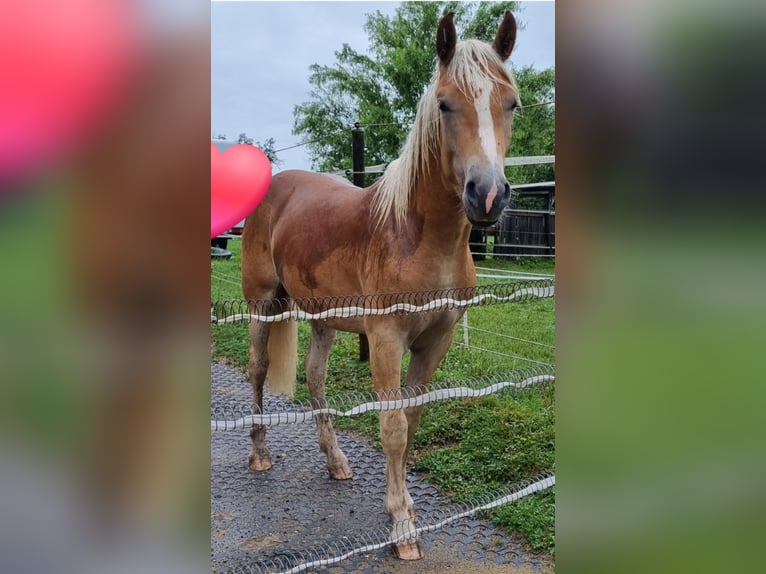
(471, 65)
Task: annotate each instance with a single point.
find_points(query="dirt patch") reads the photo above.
(442, 560)
(258, 544)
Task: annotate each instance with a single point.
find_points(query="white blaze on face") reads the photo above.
(487, 133)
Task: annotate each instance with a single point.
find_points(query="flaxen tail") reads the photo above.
(283, 357)
(260, 281)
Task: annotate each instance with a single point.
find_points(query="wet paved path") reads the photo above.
(295, 506)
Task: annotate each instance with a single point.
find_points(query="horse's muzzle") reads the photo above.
(484, 200)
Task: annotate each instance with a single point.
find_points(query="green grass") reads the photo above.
(469, 448)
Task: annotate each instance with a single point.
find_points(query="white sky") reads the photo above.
(261, 53)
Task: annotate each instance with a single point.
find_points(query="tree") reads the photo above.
(243, 139)
(268, 147)
(381, 90)
(534, 127)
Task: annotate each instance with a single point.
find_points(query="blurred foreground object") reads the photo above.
(66, 66)
(104, 318)
(661, 269)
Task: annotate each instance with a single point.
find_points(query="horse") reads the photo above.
(314, 236)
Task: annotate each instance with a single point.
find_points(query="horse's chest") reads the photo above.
(426, 270)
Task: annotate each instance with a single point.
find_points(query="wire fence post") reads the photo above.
(357, 166)
(357, 154)
(465, 329)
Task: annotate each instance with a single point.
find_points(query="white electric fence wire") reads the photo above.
(351, 312)
(464, 325)
(272, 419)
(488, 276)
(488, 272)
(411, 535)
(226, 279)
(502, 256)
(518, 274)
(497, 274)
(473, 347)
(509, 161)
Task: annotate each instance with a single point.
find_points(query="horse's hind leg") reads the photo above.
(258, 365)
(259, 282)
(322, 338)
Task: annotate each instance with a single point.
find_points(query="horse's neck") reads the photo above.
(439, 211)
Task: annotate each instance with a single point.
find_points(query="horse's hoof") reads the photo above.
(408, 551)
(337, 465)
(259, 464)
(343, 472)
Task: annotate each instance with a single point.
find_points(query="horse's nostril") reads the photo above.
(507, 189)
(470, 193)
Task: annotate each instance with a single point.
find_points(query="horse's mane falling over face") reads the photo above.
(476, 71)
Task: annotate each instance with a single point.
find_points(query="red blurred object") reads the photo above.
(239, 180)
(64, 67)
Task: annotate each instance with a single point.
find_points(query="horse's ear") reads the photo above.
(446, 38)
(506, 36)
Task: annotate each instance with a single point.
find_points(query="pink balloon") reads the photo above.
(239, 180)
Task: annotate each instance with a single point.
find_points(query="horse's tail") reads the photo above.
(283, 357)
(260, 281)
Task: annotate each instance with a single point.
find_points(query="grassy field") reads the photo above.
(469, 448)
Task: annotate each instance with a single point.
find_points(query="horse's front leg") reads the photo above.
(386, 351)
(427, 352)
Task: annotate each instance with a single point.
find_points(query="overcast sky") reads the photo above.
(261, 53)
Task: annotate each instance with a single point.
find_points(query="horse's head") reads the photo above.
(476, 97)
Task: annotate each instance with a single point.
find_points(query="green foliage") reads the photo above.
(534, 128)
(531, 516)
(243, 139)
(381, 91)
(268, 147)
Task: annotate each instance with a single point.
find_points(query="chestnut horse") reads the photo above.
(314, 236)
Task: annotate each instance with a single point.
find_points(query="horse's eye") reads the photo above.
(443, 107)
(514, 105)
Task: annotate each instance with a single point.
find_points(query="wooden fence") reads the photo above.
(520, 232)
